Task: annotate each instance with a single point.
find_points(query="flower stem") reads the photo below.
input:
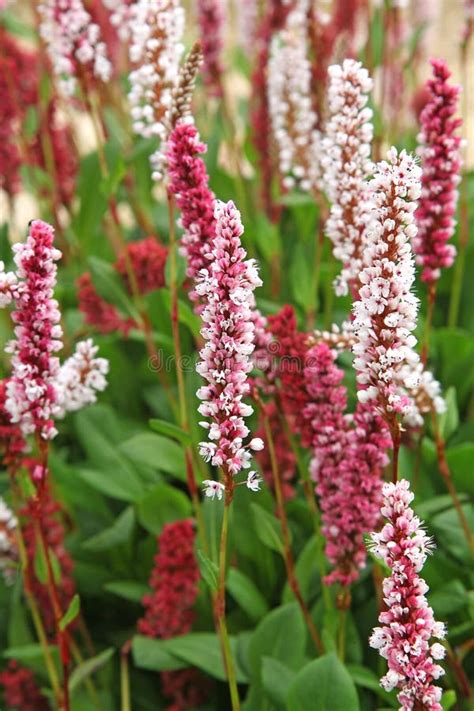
(219, 600)
(396, 440)
(125, 678)
(287, 553)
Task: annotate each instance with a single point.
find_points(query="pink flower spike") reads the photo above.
(31, 393)
(386, 310)
(73, 42)
(408, 622)
(189, 182)
(211, 18)
(227, 286)
(439, 150)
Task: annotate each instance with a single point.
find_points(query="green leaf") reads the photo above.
(186, 315)
(162, 504)
(280, 635)
(170, 430)
(109, 285)
(114, 485)
(127, 589)
(448, 598)
(449, 533)
(157, 452)
(302, 280)
(448, 699)
(460, 461)
(449, 420)
(89, 667)
(209, 570)
(152, 654)
(276, 679)
(109, 185)
(203, 650)
(246, 594)
(268, 528)
(41, 566)
(323, 684)
(366, 679)
(118, 533)
(71, 612)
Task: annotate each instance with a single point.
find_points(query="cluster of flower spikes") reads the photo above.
(30, 389)
(20, 689)
(289, 351)
(273, 20)
(293, 120)
(47, 510)
(349, 453)
(226, 286)
(386, 309)
(211, 16)
(189, 183)
(155, 51)
(168, 608)
(346, 164)
(18, 90)
(8, 543)
(19, 84)
(12, 442)
(285, 456)
(80, 378)
(121, 16)
(148, 260)
(439, 150)
(73, 43)
(39, 388)
(407, 623)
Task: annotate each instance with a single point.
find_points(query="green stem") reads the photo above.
(341, 643)
(220, 605)
(126, 704)
(287, 552)
(308, 490)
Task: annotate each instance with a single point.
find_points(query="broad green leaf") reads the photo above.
(157, 452)
(109, 285)
(449, 420)
(203, 650)
(449, 533)
(448, 598)
(461, 463)
(448, 699)
(280, 635)
(120, 532)
(89, 667)
(152, 654)
(268, 528)
(276, 680)
(323, 684)
(71, 612)
(162, 504)
(127, 589)
(367, 679)
(209, 570)
(246, 594)
(170, 430)
(115, 484)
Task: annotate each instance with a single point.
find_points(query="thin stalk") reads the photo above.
(446, 474)
(37, 621)
(287, 553)
(308, 490)
(429, 321)
(88, 682)
(126, 704)
(183, 405)
(62, 635)
(219, 600)
(341, 638)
